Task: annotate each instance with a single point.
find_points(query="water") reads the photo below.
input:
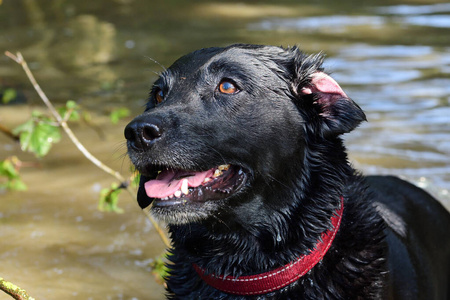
(392, 59)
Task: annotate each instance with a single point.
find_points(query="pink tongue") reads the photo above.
(166, 184)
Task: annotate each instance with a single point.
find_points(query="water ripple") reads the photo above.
(414, 9)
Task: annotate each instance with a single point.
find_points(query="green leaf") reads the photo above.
(12, 177)
(72, 105)
(38, 135)
(17, 185)
(25, 127)
(160, 269)
(73, 108)
(109, 198)
(7, 169)
(42, 138)
(9, 95)
(119, 113)
(36, 114)
(24, 131)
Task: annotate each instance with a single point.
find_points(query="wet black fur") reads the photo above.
(290, 146)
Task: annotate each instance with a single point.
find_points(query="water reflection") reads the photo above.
(420, 15)
(414, 9)
(402, 14)
(441, 21)
(368, 64)
(332, 24)
(83, 42)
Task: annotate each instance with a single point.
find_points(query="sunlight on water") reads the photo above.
(414, 9)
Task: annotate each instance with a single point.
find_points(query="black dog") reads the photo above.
(240, 154)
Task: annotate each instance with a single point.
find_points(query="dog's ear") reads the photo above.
(338, 113)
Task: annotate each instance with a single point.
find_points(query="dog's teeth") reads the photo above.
(184, 187)
(223, 167)
(217, 173)
(207, 179)
(177, 194)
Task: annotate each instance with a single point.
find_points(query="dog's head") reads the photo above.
(225, 127)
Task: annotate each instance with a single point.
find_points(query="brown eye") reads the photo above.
(228, 87)
(159, 96)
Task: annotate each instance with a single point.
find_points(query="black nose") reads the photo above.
(142, 133)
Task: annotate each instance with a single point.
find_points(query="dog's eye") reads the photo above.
(227, 87)
(159, 95)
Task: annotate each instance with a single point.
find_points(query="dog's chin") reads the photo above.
(187, 213)
(182, 197)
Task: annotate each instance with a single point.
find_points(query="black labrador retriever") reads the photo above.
(240, 153)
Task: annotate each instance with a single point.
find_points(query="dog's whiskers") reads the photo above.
(156, 62)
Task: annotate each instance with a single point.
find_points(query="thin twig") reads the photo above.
(18, 58)
(158, 228)
(66, 117)
(14, 291)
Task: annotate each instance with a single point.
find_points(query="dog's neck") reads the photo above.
(227, 249)
(254, 243)
(258, 284)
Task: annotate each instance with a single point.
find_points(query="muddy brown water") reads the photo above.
(391, 57)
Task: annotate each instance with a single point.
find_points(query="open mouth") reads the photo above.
(174, 187)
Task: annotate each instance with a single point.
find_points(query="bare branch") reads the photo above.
(12, 56)
(18, 58)
(13, 290)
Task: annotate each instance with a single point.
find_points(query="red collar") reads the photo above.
(276, 279)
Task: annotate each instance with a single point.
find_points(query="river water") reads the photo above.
(391, 57)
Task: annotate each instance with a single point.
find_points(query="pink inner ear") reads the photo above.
(323, 83)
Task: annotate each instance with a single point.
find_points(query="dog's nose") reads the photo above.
(141, 134)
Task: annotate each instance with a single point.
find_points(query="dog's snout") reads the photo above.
(141, 134)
